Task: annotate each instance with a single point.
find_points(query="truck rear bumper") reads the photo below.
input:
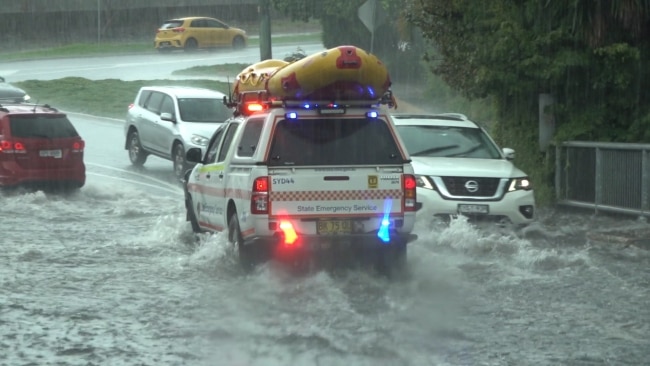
(323, 242)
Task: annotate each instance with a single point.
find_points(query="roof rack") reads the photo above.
(12, 100)
(4, 102)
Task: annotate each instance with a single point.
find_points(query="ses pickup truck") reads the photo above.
(310, 160)
(304, 176)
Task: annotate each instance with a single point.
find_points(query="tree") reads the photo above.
(397, 43)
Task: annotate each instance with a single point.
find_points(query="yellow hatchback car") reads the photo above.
(192, 33)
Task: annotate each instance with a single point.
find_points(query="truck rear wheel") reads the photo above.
(247, 257)
(391, 260)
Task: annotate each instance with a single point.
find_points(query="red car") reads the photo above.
(39, 147)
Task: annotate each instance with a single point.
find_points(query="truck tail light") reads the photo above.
(260, 196)
(410, 199)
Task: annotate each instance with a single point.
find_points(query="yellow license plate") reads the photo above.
(333, 227)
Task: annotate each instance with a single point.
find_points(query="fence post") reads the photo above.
(599, 180)
(558, 172)
(645, 181)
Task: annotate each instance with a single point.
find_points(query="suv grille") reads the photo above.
(458, 186)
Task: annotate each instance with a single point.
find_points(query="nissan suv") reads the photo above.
(166, 121)
(460, 170)
(39, 147)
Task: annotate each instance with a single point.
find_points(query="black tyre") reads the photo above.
(191, 217)
(238, 42)
(178, 159)
(191, 45)
(247, 257)
(137, 155)
(391, 260)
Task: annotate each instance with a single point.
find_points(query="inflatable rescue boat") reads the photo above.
(340, 73)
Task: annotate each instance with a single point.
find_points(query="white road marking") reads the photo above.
(162, 184)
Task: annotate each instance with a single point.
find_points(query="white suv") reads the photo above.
(461, 170)
(166, 121)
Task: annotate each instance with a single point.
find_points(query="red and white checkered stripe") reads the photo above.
(377, 194)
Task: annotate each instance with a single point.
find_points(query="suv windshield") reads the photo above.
(203, 110)
(448, 141)
(41, 126)
(333, 142)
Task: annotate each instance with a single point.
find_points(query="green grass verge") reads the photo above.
(106, 98)
(230, 70)
(94, 49)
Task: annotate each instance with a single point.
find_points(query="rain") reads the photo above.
(113, 274)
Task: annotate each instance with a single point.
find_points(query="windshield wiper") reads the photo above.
(434, 149)
(462, 153)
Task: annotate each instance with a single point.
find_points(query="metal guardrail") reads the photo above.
(604, 176)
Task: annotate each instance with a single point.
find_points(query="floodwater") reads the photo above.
(114, 276)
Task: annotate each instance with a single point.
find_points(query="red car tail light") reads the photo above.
(78, 146)
(260, 196)
(178, 30)
(11, 147)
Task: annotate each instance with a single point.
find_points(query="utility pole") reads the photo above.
(265, 29)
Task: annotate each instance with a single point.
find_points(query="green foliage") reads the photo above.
(591, 56)
(396, 42)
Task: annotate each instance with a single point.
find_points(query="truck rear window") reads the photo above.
(331, 141)
(41, 126)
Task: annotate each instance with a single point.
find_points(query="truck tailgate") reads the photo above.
(337, 192)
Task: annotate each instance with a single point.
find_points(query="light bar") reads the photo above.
(372, 114)
(291, 115)
(332, 111)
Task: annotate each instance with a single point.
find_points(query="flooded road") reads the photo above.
(113, 275)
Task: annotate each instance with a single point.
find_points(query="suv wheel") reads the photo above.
(137, 155)
(178, 157)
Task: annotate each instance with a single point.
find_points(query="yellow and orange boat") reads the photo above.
(340, 73)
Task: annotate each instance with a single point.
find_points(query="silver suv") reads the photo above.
(166, 121)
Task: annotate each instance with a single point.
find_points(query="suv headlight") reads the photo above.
(423, 181)
(199, 140)
(520, 184)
